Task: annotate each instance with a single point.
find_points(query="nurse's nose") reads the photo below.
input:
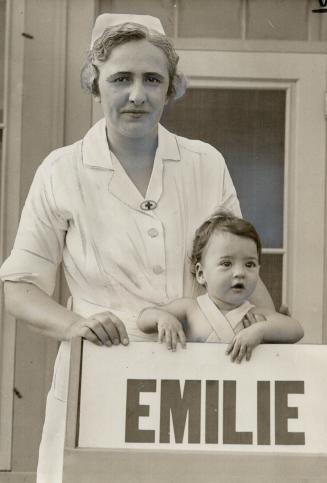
(137, 94)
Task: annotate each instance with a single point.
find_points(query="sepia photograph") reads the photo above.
(163, 309)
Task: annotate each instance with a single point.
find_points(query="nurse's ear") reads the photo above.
(89, 80)
(199, 274)
(168, 97)
(178, 87)
(96, 91)
(95, 87)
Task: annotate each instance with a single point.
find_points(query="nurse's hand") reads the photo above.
(104, 328)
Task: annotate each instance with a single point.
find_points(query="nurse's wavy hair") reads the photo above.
(221, 221)
(127, 32)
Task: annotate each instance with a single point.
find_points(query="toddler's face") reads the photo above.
(229, 269)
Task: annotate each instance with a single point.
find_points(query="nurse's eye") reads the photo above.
(121, 79)
(152, 79)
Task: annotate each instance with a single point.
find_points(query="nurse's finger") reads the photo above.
(89, 335)
(119, 327)
(182, 338)
(111, 331)
(248, 320)
(100, 331)
(113, 326)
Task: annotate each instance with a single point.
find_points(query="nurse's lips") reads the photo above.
(134, 112)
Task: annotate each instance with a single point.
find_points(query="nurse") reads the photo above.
(118, 208)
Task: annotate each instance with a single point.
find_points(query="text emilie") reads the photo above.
(178, 408)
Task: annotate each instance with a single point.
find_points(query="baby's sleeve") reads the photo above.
(40, 238)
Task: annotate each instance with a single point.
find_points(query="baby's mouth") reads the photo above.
(238, 286)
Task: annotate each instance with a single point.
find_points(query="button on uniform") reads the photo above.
(157, 269)
(153, 232)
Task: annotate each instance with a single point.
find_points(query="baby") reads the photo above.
(225, 260)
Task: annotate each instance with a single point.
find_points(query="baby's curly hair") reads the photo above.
(221, 221)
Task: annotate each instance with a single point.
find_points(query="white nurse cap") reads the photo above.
(107, 20)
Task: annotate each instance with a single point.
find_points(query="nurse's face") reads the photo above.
(133, 85)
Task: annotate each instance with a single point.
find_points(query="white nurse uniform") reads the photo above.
(83, 210)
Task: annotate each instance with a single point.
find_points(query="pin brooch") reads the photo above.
(148, 205)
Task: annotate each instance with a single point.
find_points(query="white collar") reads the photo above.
(96, 152)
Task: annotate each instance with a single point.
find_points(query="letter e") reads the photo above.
(283, 412)
(134, 410)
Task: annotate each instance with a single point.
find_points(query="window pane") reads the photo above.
(157, 8)
(282, 20)
(271, 273)
(210, 18)
(247, 126)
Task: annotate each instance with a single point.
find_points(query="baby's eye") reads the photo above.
(225, 263)
(251, 264)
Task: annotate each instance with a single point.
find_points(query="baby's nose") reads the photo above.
(239, 271)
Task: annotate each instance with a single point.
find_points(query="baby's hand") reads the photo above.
(245, 341)
(170, 330)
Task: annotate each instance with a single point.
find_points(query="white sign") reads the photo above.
(144, 396)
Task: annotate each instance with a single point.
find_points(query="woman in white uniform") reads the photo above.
(118, 208)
